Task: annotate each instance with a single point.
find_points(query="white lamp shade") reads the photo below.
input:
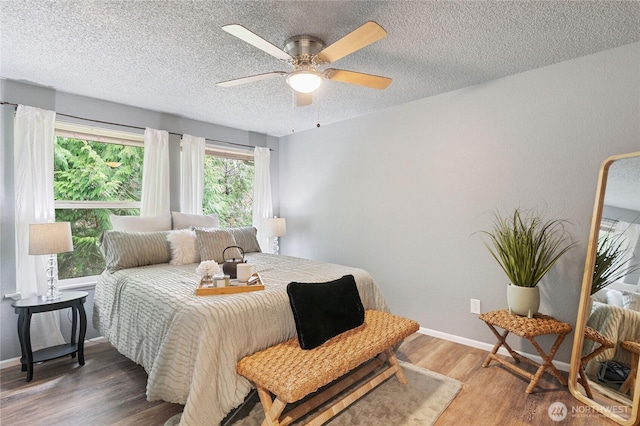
(50, 238)
(275, 227)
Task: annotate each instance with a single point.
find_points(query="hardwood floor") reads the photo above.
(110, 390)
(493, 395)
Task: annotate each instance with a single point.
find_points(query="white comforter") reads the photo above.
(189, 345)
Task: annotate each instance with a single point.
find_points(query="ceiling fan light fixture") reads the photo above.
(304, 80)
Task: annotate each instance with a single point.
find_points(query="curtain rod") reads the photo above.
(134, 127)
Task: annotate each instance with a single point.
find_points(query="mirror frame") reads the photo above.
(581, 321)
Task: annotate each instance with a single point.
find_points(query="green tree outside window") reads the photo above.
(99, 172)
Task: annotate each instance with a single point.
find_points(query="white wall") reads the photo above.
(402, 192)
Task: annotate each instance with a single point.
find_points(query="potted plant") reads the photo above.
(526, 247)
(612, 261)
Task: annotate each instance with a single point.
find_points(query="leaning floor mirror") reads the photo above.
(606, 349)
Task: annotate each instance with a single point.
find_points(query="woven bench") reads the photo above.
(291, 373)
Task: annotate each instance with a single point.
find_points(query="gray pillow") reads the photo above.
(122, 249)
(212, 242)
(246, 237)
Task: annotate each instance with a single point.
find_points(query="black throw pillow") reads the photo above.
(324, 310)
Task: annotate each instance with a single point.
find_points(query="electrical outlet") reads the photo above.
(475, 306)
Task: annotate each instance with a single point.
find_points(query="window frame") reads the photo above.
(229, 153)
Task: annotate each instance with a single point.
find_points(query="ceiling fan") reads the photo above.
(306, 53)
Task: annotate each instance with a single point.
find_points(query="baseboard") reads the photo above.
(12, 362)
(560, 365)
(563, 366)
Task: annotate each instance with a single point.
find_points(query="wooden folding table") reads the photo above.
(527, 328)
(630, 383)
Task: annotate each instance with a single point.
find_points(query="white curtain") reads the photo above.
(192, 174)
(155, 173)
(34, 136)
(262, 203)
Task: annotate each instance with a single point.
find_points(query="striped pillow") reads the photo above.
(122, 249)
(246, 237)
(212, 242)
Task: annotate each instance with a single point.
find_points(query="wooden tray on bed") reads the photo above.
(233, 288)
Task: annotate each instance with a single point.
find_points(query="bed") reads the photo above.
(615, 315)
(189, 345)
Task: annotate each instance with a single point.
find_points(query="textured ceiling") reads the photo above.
(167, 56)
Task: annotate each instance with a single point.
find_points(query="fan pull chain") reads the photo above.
(318, 102)
(293, 111)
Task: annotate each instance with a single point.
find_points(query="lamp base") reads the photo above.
(276, 247)
(52, 291)
(52, 294)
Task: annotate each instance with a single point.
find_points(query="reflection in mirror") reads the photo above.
(605, 355)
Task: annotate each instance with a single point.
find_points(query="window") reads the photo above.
(97, 172)
(228, 186)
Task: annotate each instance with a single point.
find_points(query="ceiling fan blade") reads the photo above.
(355, 40)
(255, 40)
(362, 79)
(303, 99)
(250, 79)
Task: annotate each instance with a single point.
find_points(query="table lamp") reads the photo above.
(275, 227)
(50, 238)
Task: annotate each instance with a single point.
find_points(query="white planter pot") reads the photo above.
(523, 300)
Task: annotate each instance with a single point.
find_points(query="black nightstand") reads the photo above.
(26, 307)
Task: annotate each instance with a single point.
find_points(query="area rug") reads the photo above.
(420, 402)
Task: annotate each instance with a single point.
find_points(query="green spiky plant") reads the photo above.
(526, 246)
(612, 261)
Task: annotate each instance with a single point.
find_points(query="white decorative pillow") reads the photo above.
(141, 223)
(614, 298)
(184, 247)
(631, 300)
(184, 220)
